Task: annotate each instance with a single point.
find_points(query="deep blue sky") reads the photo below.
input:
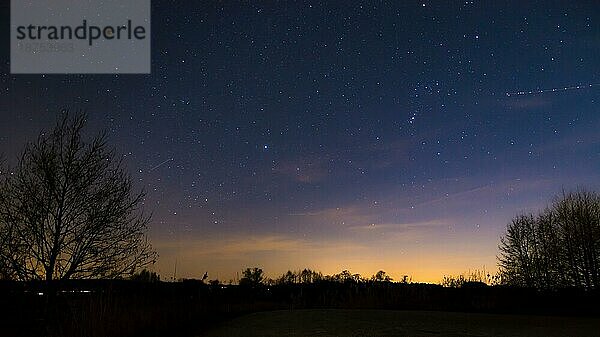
(340, 135)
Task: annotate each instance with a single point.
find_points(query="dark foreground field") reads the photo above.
(392, 323)
(118, 308)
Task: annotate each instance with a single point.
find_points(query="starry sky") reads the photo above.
(394, 135)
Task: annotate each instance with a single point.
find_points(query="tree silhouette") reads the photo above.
(518, 249)
(381, 276)
(288, 278)
(346, 277)
(577, 218)
(145, 275)
(559, 247)
(305, 276)
(67, 210)
(252, 277)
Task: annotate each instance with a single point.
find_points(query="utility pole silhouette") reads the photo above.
(175, 272)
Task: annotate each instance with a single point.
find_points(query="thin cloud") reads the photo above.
(401, 227)
(238, 245)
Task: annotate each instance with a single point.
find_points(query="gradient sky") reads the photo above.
(339, 135)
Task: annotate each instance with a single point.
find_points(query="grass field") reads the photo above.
(368, 323)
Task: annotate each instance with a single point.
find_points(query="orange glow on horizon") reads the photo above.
(225, 259)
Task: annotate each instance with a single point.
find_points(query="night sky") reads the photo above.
(339, 135)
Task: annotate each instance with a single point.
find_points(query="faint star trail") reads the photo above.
(534, 92)
(161, 164)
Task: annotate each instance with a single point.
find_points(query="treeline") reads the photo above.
(557, 248)
(255, 277)
(252, 277)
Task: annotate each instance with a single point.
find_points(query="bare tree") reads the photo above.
(68, 210)
(557, 248)
(5, 272)
(304, 276)
(518, 251)
(548, 263)
(578, 222)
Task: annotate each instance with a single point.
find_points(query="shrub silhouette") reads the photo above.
(476, 278)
